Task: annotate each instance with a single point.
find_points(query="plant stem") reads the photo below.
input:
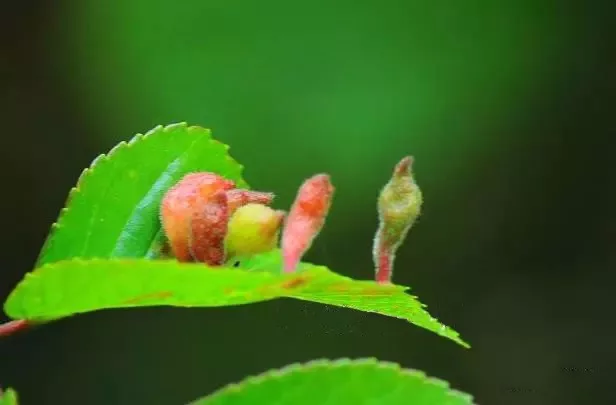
(11, 327)
(385, 260)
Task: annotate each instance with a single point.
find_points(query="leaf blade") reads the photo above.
(362, 295)
(77, 286)
(8, 397)
(344, 381)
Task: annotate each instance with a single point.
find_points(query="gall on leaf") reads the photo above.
(305, 219)
(253, 228)
(237, 198)
(399, 205)
(208, 228)
(195, 214)
(181, 201)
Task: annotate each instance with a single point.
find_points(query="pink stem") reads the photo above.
(384, 259)
(11, 327)
(383, 274)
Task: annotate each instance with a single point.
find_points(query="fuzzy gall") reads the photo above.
(305, 219)
(399, 205)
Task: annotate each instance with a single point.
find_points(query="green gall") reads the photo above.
(253, 228)
(400, 202)
(399, 205)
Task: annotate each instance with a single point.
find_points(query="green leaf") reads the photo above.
(113, 211)
(8, 397)
(75, 286)
(340, 382)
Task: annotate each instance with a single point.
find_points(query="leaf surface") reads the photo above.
(76, 286)
(113, 211)
(340, 382)
(8, 397)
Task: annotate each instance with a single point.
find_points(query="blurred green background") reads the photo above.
(506, 106)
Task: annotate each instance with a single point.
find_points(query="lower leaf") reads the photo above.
(341, 382)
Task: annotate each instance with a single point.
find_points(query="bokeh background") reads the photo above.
(507, 107)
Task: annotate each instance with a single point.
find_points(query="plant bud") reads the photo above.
(399, 205)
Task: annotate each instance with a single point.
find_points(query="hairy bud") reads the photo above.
(399, 205)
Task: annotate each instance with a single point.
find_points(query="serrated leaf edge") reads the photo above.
(294, 286)
(330, 364)
(139, 137)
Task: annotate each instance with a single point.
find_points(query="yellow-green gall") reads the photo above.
(399, 205)
(252, 229)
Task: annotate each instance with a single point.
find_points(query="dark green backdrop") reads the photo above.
(507, 107)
